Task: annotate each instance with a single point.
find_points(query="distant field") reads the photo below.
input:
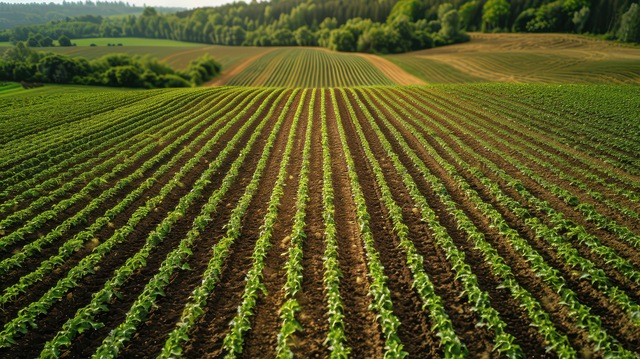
(176, 56)
(306, 67)
(525, 58)
(484, 220)
(14, 90)
(175, 53)
(519, 58)
(134, 41)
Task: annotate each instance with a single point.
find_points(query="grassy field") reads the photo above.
(488, 219)
(525, 58)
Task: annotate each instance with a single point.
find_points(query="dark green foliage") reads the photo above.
(120, 70)
(61, 69)
(12, 14)
(580, 18)
(342, 40)
(630, 25)
(470, 13)
(384, 26)
(64, 41)
(201, 70)
(494, 14)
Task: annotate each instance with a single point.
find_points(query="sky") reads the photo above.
(172, 3)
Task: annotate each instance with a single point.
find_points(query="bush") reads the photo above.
(64, 41)
(23, 64)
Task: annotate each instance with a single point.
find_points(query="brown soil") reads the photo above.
(207, 336)
(414, 330)
(262, 339)
(529, 137)
(312, 316)
(551, 58)
(623, 248)
(518, 323)
(69, 173)
(363, 332)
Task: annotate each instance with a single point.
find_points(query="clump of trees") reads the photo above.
(39, 40)
(399, 34)
(615, 19)
(20, 63)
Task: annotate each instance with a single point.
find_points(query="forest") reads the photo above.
(12, 14)
(384, 26)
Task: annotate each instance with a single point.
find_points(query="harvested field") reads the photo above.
(525, 58)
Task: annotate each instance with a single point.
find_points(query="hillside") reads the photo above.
(520, 58)
(531, 58)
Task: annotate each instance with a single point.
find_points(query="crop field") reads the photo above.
(295, 67)
(530, 58)
(490, 220)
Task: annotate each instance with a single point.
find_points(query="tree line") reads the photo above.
(12, 14)
(378, 26)
(21, 63)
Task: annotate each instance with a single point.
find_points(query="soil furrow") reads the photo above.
(565, 184)
(69, 173)
(72, 210)
(261, 340)
(414, 331)
(52, 249)
(562, 150)
(362, 330)
(518, 323)
(313, 312)
(162, 319)
(547, 296)
(208, 334)
(623, 249)
(477, 339)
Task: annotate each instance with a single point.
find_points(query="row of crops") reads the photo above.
(369, 222)
(293, 67)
